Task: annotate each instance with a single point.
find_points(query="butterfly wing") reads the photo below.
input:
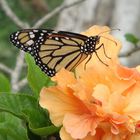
(51, 50)
(25, 39)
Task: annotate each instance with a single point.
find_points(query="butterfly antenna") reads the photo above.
(109, 31)
(109, 39)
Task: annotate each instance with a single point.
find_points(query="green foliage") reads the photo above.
(12, 128)
(131, 38)
(36, 78)
(4, 84)
(26, 108)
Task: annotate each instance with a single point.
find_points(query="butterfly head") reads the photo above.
(90, 44)
(95, 39)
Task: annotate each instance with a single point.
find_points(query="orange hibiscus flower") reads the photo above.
(100, 102)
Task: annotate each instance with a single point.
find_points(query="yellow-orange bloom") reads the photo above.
(100, 103)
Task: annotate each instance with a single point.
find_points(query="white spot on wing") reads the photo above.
(54, 31)
(29, 48)
(17, 33)
(30, 42)
(44, 31)
(30, 33)
(56, 38)
(32, 36)
(35, 30)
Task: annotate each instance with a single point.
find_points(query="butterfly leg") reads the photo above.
(87, 61)
(100, 59)
(102, 45)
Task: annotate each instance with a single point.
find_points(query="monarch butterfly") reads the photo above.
(53, 50)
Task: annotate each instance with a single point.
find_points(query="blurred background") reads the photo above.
(122, 14)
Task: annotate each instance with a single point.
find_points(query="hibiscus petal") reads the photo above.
(64, 78)
(64, 135)
(125, 73)
(102, 93)
(78, 126)
(58, 104)
(133, 108)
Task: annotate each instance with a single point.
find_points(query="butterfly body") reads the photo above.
(53, 50)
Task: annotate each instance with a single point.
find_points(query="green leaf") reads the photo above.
(4, 84)
(36, 78)
(46, 130)
(12, 128)
(131, 38)
(26, 107)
